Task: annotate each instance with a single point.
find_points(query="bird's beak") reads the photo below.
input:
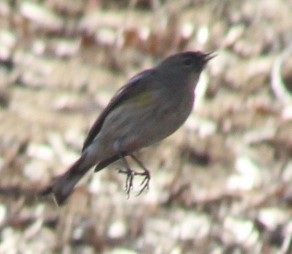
(210, 55)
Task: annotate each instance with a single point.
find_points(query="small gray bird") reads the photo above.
(150, 107)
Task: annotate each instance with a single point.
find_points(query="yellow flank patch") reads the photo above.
(141, 99)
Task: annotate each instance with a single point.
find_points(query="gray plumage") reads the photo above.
(150, 107)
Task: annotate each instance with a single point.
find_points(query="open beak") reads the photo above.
(210, 55)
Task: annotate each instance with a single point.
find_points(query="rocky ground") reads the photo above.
(221, 184)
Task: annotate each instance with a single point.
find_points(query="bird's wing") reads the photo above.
(105, 163)
(127, 92)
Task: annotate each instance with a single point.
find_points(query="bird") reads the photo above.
(148, 108)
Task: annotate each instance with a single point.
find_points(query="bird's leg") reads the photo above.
(130, 175)
(128, 171)
(145, 173)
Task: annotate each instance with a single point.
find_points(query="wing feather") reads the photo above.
(132, 88)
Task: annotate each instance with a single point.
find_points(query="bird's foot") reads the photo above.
(146, 180)
(130, 177)
(129, 180)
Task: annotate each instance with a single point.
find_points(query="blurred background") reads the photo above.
(221, 184)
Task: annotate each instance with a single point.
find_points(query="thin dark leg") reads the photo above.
(130, 175)
(145, 173)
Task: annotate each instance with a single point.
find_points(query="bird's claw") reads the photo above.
(145, 182)
(129, 180)
(130, 177)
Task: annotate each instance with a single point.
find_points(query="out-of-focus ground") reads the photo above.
(221, 184)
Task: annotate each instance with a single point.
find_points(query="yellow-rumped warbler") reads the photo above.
(150, 107)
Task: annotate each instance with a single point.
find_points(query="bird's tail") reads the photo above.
(63, 185)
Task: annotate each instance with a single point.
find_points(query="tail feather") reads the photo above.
(63, 185)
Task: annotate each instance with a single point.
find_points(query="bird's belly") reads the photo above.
(133, 127)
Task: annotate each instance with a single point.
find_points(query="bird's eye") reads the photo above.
(188, 62)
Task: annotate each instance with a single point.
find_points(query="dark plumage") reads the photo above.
(150, 107)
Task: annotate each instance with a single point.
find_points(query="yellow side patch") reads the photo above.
(142, 99)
